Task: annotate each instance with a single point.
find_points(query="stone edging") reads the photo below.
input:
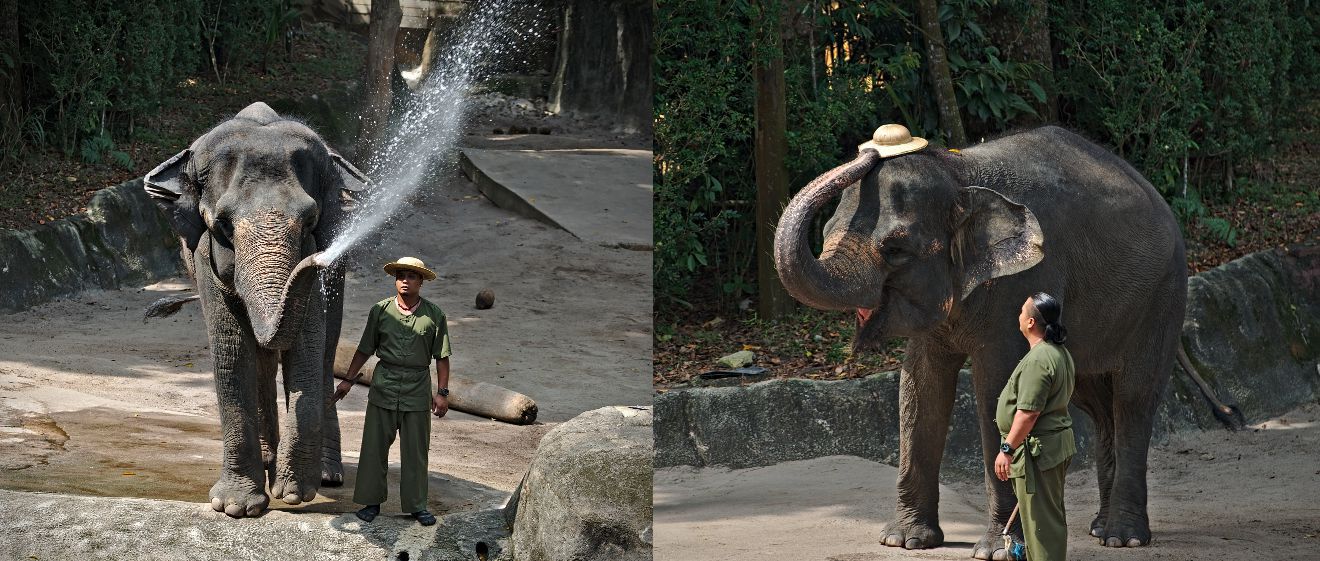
(123, 238)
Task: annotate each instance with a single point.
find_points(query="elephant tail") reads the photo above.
(1229, 415)
(167, 306)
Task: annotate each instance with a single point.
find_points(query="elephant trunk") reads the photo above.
(824, 283)
(273, 286)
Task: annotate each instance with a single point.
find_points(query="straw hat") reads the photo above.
(411, 264)
(892, 140)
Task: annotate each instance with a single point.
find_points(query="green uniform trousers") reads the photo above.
(414, 428)
(1044, 525)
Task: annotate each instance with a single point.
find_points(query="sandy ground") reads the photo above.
(1253, 494)
(95, 402)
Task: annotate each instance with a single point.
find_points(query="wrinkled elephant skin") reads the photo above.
(942, 248)
(254, 201)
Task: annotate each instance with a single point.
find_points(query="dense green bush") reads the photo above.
(1191, 93)
(81, 73)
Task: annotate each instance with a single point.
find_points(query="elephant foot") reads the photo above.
(238, 496)
(1098, 525)
(991, 544)
(332, 473)
(1125, 532)
(295, 484)
(912, 535)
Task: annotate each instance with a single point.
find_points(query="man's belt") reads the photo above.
(402, 367)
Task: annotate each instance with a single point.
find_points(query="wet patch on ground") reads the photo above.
(114, 453)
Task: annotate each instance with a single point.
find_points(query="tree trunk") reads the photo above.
(770, 155)
(1021, 30)
(938, 62)
(382, 32)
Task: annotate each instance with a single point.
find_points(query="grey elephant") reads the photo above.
(943, 247)
(254, 202)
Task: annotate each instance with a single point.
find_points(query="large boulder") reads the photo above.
(587, 494)
(122, 239)
(1253, 330)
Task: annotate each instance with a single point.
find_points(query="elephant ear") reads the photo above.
(345, 186)
(993, 237)
(169, 186)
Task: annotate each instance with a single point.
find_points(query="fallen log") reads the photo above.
(469, 396)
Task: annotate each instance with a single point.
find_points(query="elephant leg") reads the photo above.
(240, 490)
(991, 370)
(925, 402)
(1135, 402)
(1095, 396)
(332, 467)
(269, 433)
(298, 463)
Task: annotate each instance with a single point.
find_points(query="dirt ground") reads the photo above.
(1253, 494)
(95, 402)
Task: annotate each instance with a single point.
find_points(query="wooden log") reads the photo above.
(469, 396)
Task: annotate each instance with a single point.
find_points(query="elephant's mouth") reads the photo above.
(863, 316)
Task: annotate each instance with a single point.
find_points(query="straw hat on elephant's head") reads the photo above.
(409, 264)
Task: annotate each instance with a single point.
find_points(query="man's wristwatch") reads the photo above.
(444, 392)
(1005, 448)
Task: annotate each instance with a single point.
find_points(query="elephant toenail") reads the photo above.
(1113, 542)
(1134, 542)
(217, 504)
(912, 543)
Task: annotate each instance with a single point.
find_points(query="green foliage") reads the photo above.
(90, 69)
(96, 149)
(703, 123)
(992, 90)
(1190, 93)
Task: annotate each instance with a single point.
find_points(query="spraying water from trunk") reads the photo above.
(423, 140)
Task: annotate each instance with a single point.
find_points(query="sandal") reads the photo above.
(425, 517)
(368, 513)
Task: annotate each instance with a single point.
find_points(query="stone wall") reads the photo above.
(122, 239)
(1252, 330)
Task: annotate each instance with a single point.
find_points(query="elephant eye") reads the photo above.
(224, 228)
(895, 255)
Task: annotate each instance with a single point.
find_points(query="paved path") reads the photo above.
(600, 195)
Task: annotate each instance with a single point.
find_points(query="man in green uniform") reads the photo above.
(1033, 420)
(405, 332)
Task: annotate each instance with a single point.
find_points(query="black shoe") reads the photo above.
(368, 513)
(425, 517)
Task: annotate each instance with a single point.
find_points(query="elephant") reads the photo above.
(255, 202)
(942, 247)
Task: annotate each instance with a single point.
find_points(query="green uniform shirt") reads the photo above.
(405, 345)
(1043, 381)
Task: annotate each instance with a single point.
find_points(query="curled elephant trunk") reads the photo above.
(273, 287)
(280, 326)
(819, 283)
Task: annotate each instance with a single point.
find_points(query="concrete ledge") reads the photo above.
(1253, 331)
(123, 238)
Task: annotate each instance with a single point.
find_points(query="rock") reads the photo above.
(738, 359)
(1253, 330)
(587, 494)
(485, 299)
